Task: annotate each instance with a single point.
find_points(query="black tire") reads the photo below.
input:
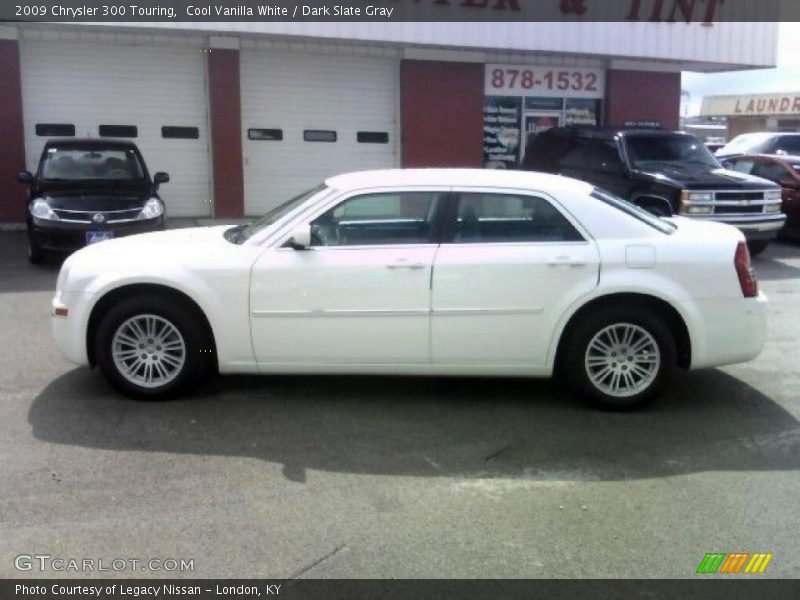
(35, 254)
(657, 209)
(198, 347)
(756, 247)
(574, 367)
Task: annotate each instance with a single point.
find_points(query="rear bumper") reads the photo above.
(63, 238)
(731, 331)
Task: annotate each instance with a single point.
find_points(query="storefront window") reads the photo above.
(522, 101)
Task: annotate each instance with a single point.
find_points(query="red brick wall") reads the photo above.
(642, 96)
(441, 114)
(226, 132)
(12, 135)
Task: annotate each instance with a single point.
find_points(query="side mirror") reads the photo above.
(25, 177)
(160, 178)
(792, 184)
(300, 238)
(727, 164)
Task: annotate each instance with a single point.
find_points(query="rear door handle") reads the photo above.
(566, 261)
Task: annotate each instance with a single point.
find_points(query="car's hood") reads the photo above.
(158, 256)
(698, 177)
(172, 238)
(171, 245)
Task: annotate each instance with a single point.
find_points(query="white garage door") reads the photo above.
(306, 117)
(158, 90)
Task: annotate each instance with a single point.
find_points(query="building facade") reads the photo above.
(245, 115)
(746, 113)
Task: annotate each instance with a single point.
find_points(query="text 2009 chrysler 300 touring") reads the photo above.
(445, 272)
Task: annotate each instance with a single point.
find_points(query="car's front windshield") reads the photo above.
(652, 151)
(241, 233)
(746, 143)
(82, 164)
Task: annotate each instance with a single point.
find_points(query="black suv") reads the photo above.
(664, 172)
(86, 191)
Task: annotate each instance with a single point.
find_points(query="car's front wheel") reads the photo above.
(620, 358)
(152, 347)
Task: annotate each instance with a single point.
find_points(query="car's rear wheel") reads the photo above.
(620, 358)
(756, 247)
(153, 347)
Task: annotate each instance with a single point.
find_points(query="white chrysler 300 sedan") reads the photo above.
(420, 272)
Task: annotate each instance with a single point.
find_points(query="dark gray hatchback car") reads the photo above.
(87, 191)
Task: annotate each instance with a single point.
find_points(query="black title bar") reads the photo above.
(676, 12)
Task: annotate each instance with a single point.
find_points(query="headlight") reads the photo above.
(772, 195)
(41, 210)
(697, 210)
(152, 208)
(687, 196)
(772, 208)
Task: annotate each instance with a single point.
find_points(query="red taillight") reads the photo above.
(744, 270)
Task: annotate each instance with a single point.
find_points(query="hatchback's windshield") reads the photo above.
(241, 233)
(649, 151)
(80, 164)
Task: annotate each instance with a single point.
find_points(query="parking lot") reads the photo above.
(395, 477)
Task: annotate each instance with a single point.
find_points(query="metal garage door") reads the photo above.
(308, 116)
(159, 90)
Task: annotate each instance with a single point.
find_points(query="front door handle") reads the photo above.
(566, 261)
(402, 264)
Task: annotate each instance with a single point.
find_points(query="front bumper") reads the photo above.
(69, 331)
(58, 237)
(754, 228)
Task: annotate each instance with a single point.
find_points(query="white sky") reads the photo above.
(784, 78)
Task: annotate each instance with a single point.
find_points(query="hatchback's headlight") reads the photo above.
(41, 210)
(152, 208)
(773, 195)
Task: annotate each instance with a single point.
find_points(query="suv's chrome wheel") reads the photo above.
(622, 360)
(148, 350)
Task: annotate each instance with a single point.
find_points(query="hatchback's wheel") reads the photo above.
(35, 255)
(620, 358)
(756, 247)
(152, 348)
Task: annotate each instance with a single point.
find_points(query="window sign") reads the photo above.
(582, 111)
(537, 103)
(501, 131)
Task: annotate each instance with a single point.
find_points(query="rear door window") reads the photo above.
(499, 218)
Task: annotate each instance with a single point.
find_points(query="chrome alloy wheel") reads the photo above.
(148, 350)
(622, 360)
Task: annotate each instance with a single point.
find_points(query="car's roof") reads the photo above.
(500, 178)
(89, 143)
